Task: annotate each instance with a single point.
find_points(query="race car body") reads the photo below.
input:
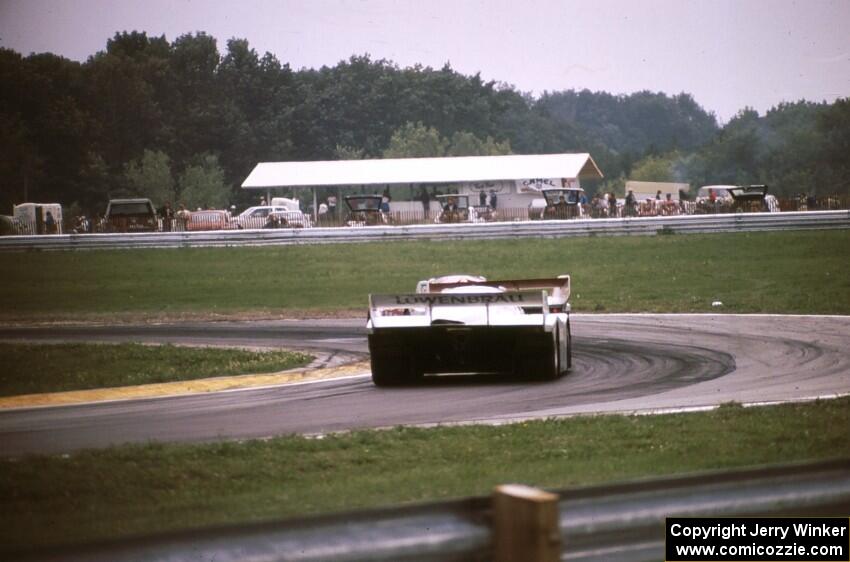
(466, 324)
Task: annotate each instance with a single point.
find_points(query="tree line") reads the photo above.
(182, 121)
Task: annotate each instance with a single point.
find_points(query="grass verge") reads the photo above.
(781, 272)
(35, 368)
(141, 489)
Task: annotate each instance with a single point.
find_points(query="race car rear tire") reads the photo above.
(540, 362)
(393, 370)
(552, 368)
(569, 347)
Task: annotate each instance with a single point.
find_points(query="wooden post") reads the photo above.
(525, 524)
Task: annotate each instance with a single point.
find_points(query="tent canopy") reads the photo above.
(267, 175)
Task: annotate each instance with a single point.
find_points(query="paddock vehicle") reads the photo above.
(720, 192)
(752, 199)
(713, 199)
(485, 213)
(562, 203)
(365, 210)
(258, 217)
(130, 215)
(37, 218)
(209, 220)
(466, 324)
(455, 208)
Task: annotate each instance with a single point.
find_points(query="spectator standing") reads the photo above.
(612, 205)
(811, 202)
(493, 198)
(599, 205)
(182, 217)
(669, 205)
(49, 223)
(712, 200)
(167, 215)
(631, 204)
(482, 198)
(426, 201)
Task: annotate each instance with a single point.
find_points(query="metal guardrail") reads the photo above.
(681, 224)
(622, 522)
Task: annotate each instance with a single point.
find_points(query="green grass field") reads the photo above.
(147, 488)
(793, 272)
(140, 489)
(34, 368)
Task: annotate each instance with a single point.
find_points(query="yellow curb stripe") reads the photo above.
(180, 387)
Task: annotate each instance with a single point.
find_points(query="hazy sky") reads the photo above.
(728, 54)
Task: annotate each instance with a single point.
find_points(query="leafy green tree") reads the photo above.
(833, 127)
(39, 96)
(634, 123)
(202, 184)
(464, 143)
(72, 132)
(127, 88)
(95, 184)
(415, 140)
(150, 176)
(203, 118)
(260, 96)
(20, 163)
(671, 167)
(349, 153)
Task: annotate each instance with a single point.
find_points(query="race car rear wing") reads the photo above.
(558, 287)
(521, 308)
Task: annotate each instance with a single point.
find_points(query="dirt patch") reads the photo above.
(198, 386)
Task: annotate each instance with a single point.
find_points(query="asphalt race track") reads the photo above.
(622, 363)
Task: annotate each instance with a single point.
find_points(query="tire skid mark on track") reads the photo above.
(626, 363)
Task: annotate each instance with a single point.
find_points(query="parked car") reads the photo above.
(258, 217)
(209, 220)
(130, 215)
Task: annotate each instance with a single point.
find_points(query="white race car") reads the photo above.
(466, 324)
